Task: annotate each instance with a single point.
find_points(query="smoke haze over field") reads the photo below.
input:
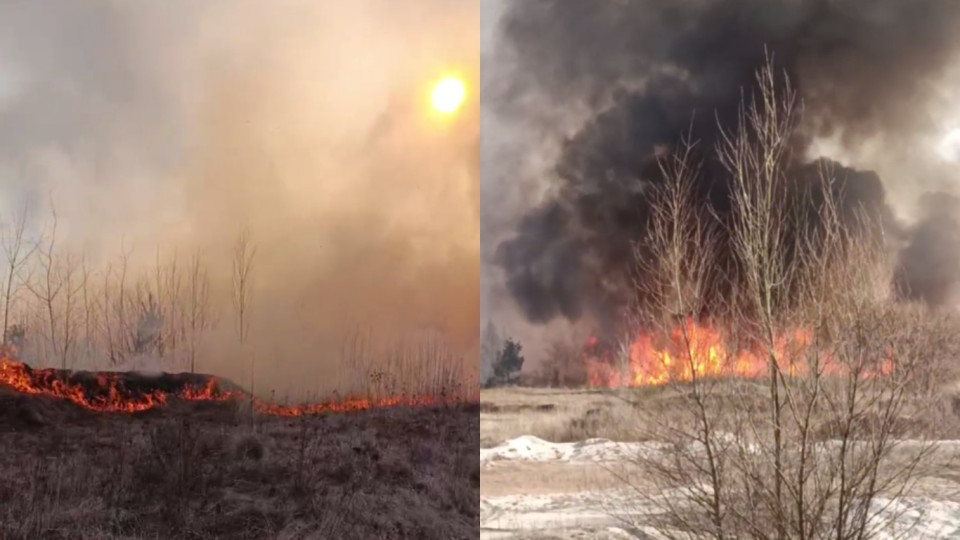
(595, 87)
(178, 124)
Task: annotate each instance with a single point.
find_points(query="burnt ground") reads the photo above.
(211, 470)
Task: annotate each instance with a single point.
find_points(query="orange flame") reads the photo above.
(46, 382)
(700, 351)
(111, 396)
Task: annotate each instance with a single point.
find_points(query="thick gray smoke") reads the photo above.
(639, 71)
(171, 126)
(930, 262)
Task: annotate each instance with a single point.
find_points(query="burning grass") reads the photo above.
(202, 469)
(121, 454)
(691, 350)
(132, 392)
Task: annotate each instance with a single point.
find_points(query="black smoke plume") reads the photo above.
(653, 70)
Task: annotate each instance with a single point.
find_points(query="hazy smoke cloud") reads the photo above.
(929, 263)
(642, 69)
(179, 123)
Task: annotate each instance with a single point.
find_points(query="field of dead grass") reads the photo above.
(205, 470)
(557, 415)
(554, 497)
(569, 415)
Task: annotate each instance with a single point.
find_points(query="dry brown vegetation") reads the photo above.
(194, 312)
(808, 447)
(637, 414)
(569, 415)
(751, 461)
(202, 471)
(555, 415)
(212, 470)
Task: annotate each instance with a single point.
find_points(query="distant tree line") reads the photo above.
(501, 360)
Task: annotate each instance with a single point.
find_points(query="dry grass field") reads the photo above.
(207, 470)
(577, 490)
(558, 415)
(569, 415)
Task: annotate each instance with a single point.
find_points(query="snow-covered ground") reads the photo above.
(598, 513)
(530, 448)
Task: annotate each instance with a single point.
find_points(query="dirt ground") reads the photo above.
(542, 478)
(210, 470)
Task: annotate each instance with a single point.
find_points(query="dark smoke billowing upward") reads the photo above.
(646, 68)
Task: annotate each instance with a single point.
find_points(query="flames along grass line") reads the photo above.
(111, 394)
(649, 364)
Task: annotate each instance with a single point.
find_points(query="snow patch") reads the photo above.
(613, 513)
(530, 448)
(610, 513)
(916, 517)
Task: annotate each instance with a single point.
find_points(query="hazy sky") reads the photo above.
(176, 123)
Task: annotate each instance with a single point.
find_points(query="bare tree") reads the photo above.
(160, 304)
(147, 332)
(563, 365)
(243, 257)
(49, 289)
(756, 155)
(168, 291)
(90, 310)
(57, 291)
(71, 288)
(197, 307)
(818, 451)
(107, 316)
(16, 254)
(116, 322)
(676, 270)
(172, 301)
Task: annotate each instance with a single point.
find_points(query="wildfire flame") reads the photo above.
(693, 350)
(108, 393)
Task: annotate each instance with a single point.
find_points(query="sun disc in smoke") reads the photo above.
(949, 147)
(448, 94)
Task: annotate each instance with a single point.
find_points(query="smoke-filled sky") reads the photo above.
(178, 123)
(578, 94)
